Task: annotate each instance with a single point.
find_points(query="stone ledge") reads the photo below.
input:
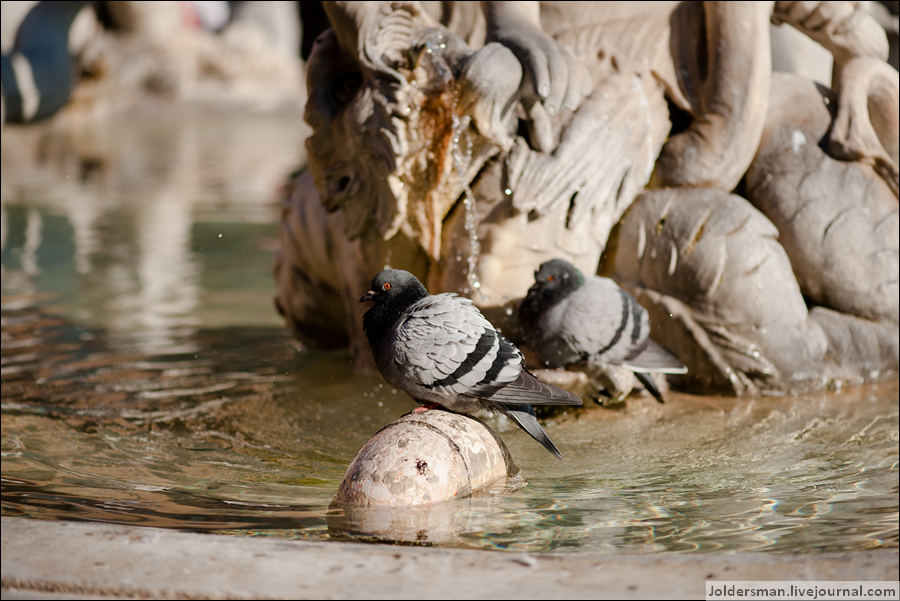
(74, 560)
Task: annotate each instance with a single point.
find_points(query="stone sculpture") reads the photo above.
(755, 215)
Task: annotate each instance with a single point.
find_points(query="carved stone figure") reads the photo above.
(754, 214)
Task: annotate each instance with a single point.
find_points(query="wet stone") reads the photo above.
(424, 458)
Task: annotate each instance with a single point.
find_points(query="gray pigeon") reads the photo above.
(442, 351)
(568, 319)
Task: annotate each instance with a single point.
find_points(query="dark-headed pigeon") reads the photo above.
(442, 351)
(568, 319)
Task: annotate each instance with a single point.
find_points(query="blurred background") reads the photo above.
(147, 377)
(135, 135)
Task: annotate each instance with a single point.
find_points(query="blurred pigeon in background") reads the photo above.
(568, 319)
(441, 350)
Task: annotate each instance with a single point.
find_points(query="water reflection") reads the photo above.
(146, 379)
(107, 213)
(253, 436)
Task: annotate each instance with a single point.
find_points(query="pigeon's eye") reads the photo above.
(386, 286)
(549, 278)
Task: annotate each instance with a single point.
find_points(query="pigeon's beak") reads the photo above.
(368, 296)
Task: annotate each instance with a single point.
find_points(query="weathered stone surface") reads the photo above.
(435, 152)
(72, 560)
(837, 220)
(858, 349)
(424, 458)
(698, 259)
(726, 83)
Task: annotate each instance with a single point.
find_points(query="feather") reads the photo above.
(441, 349)
(569, 319)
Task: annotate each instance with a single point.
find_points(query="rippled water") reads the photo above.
(146, 379)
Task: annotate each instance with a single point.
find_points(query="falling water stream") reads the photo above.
(460, 155)
(148, 380)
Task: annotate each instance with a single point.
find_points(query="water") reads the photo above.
(461, 154)
(146, 379)
(461, 147)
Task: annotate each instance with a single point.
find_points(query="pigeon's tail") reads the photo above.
(523, 415)
(648, 383)
(654, 359)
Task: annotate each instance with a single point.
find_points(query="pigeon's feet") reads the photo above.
(425, 407)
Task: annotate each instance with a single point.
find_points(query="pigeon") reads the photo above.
(443, 352)
(568, 319)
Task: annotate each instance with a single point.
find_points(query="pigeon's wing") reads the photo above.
(447, 346)
(654, 359)
(528, 389)
(604, 323)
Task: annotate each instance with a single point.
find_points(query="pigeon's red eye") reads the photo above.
(386, 286)
(549, 278)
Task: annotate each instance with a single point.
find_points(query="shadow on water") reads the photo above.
(147, 379)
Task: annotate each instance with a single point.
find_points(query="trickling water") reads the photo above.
(435, 45)
(462, 155)
(461, 152)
